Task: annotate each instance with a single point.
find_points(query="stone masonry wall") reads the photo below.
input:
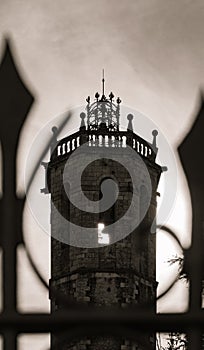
(117, 275)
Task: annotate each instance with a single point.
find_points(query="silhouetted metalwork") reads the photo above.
(192, 159)
(15, 103)
(103, 111)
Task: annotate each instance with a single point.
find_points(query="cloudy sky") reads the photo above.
(153, 55)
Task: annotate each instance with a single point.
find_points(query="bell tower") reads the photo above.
(94, 261)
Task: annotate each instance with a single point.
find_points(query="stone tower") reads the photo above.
(112, 268)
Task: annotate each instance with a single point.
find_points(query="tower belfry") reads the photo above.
(115, 271)
(104, 111)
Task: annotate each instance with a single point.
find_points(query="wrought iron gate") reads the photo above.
(15, 103)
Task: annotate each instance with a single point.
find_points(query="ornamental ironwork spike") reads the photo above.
(97, 95)
(15, 103)
(16, 99)
(111, 96)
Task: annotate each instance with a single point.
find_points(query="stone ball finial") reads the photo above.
(154, 142)
(54, 130)
(54, 137)
(82, 116)
(130, 118)
(154, 133)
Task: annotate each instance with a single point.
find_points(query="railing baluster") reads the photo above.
(59, 150)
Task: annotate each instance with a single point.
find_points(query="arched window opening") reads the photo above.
(107, 217)
(103, 238)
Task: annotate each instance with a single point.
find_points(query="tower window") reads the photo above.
(103, 238)
(110, 193)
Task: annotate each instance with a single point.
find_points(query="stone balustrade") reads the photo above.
(103, 138)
